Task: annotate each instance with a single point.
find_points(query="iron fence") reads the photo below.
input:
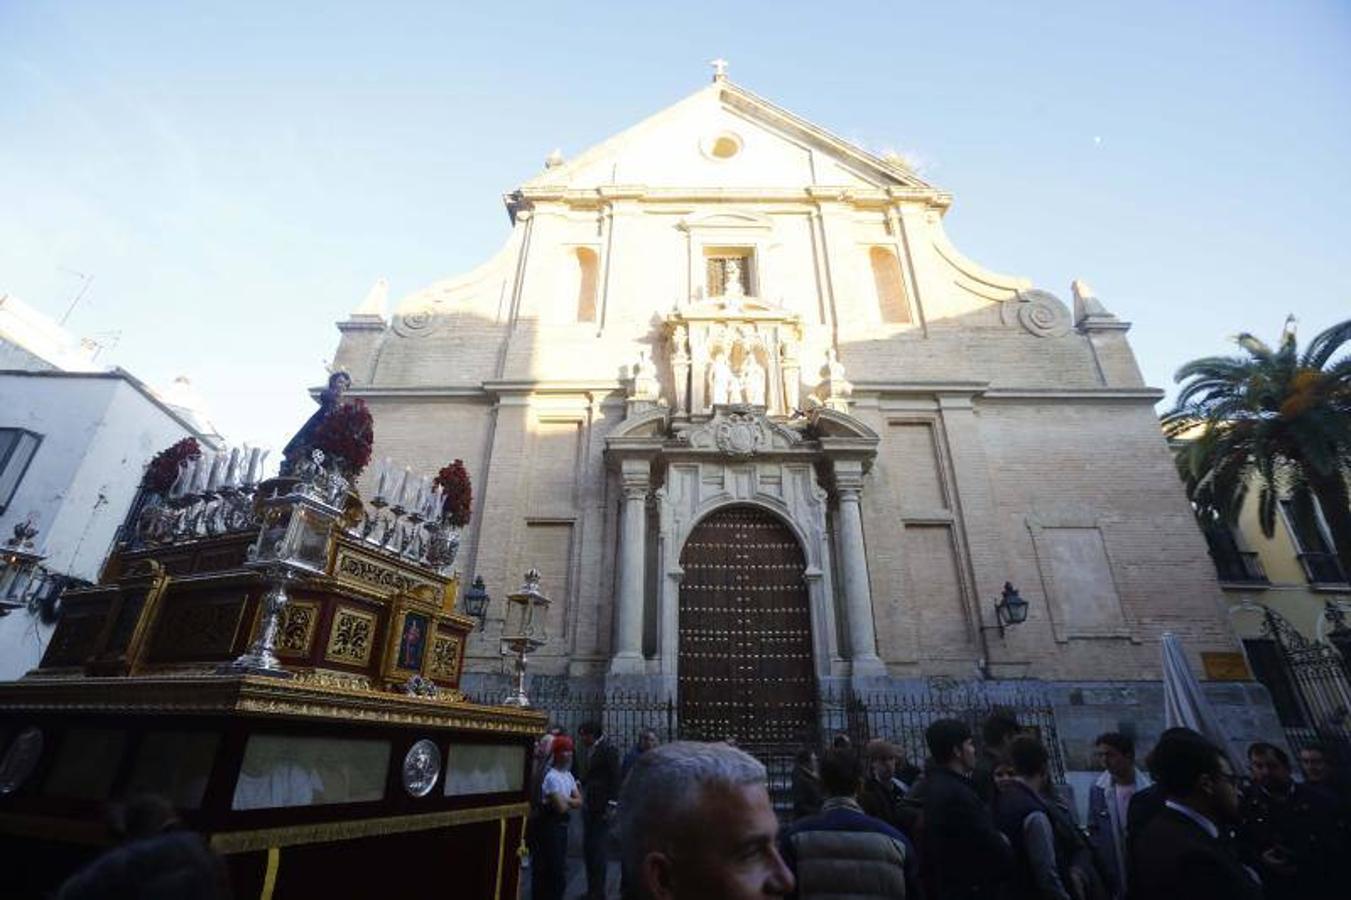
(1316, 675)
(899, 716)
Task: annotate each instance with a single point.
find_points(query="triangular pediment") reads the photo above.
(724, 136)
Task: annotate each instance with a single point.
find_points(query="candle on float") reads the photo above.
(382, 478)
(197, 483)
(213, 479)
(183, 479)
(232, 470)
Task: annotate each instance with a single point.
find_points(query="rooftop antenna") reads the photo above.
(85, 280)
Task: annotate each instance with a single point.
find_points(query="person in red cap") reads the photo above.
(559, 796)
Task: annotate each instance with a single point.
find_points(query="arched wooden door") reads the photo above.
(745, 666)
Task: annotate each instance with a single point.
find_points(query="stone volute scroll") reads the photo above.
(1039, 313)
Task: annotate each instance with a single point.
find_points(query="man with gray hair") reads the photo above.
(696, 824)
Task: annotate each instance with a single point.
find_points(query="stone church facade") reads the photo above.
(729, 386)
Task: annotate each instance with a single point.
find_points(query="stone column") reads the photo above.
(628, 644)
(858, 600)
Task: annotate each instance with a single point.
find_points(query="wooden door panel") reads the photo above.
(745, 632)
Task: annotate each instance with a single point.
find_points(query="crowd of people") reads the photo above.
(695, 820)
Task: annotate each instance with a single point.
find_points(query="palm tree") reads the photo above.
(1275, 420)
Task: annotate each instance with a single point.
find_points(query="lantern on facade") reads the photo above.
(1010, 608)
(476, 601)
(525, 630)
(298, 515)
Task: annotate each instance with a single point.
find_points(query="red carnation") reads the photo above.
(346, 436)
(162, 471)
(457, 492)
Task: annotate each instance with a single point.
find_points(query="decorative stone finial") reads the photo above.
(719, 69)
(554, 160)
(1088, 309)
(376, 300)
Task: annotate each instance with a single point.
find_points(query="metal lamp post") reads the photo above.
(476, 601)
(525, 630)
(298, 517)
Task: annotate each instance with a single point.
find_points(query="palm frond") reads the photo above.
(1325, 345)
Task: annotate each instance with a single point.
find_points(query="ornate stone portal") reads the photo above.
(741, 457)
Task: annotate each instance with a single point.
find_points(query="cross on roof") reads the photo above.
(719, 69)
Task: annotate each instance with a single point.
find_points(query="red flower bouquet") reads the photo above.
(457, 493)
(162, 470)
(346, 436)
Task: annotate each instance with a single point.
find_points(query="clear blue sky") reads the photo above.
(235, 176)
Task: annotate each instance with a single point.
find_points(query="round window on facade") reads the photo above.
(723, 145)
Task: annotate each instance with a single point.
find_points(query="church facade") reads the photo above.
(729, 386)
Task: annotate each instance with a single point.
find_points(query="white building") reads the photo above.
(74, 442)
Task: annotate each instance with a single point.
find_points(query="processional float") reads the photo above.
(281, 662)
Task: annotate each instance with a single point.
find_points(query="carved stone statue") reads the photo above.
(645, 386)
(680, 367)
(836, 389)
(752, 378)
(299, 446)
(724, 387)
(731, 278)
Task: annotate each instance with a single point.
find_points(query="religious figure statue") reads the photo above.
(680, 366)
(837, 388)
(724, 386)
(834, 368)
(645, 386)
(731, 278)
(752, 378)
(299, 446)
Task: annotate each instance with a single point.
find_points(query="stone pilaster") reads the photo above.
(635, 477)
(858, 601)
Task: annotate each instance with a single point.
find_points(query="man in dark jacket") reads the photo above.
(965, 856)
(883, 793)
(1180, 851)
(843, 852)
(600, 776)
(1042, 853)
(1289, 832)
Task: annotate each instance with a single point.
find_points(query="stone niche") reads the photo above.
(733, 351)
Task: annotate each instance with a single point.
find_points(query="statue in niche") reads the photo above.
(732, 278)
(752, 378)
(723, 382)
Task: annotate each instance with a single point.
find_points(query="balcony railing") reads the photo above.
(1322, 568)
(1239, 567)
